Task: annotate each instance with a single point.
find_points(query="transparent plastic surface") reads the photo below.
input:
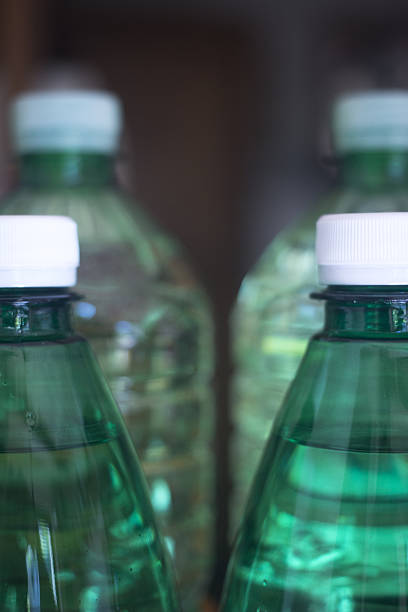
(326, 524)
(77, 531)
(274, 316)
(148, 322)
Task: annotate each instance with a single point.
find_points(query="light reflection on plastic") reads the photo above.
(160, 495)
(85, 310)
(170, 545)
(46, 551)
(33, 579)
(128, 333)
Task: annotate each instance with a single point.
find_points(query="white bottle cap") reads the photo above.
(88, 121)
(363, 249)
(371, 120)
(38, 251)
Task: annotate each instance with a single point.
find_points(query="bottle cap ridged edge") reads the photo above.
(363, 249)
(38, 251)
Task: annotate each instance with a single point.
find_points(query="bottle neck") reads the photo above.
(365, 312)
(35, 314)
(66, 169)
(375, 170)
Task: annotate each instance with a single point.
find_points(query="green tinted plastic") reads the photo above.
(326, 526)
(148, 321)
(274, 316)
(77, 531)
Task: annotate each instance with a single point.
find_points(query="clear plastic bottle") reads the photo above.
(274, 315)
(77, 530)
(146, 317)
(326, 524)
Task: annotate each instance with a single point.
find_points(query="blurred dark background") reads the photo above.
(227, 105)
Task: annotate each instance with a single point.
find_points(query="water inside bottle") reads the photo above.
(334, 537)
(72, 532)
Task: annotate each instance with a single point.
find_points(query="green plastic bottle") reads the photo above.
(326, 526)
(77, 532)
(144, 314)
(274, 315)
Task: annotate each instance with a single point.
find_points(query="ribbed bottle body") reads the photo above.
(77, 529)
(149, 324)
(274, 315)
(326, 520)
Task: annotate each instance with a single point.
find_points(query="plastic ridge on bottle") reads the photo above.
(274, 315)
(326, 519)
(146, 317)
(77, 530)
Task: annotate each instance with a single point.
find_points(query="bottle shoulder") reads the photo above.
(288, 262)
(348, 199)
(286, 267)
(110, 224)
(104, 214)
